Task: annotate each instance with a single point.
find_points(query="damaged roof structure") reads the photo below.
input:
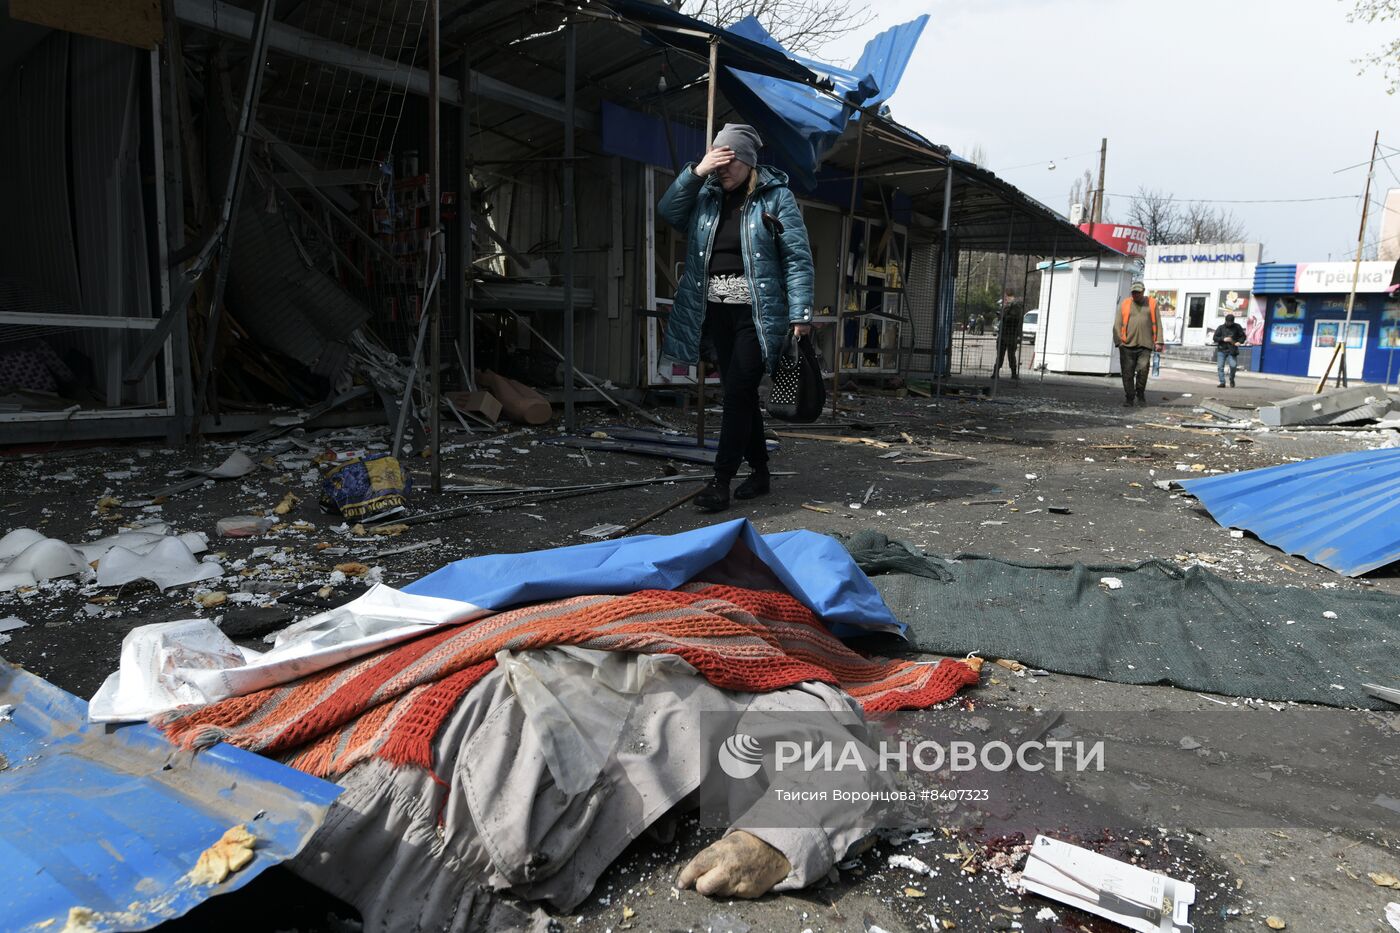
(289, 250)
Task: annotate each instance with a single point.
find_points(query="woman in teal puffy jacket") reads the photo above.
(747, 281)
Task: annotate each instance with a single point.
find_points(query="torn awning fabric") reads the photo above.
(800, 124)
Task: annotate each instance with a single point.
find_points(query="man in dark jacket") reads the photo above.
(1228, 339)
(1009, 341)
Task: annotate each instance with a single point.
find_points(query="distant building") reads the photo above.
(1302, 307)
(1197, 284)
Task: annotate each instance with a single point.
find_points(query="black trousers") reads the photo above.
(1008, 351)
(1135, 362)
(730, 329)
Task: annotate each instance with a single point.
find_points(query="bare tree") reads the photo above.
(1082, 191)
(977, 155)
(800, 25)
(1206, 224)
(1169, 221)
(1156, 213)
(1387, 57)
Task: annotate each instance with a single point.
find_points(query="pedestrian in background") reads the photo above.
(1137, 333)
(747, 282)
(1228, 338)
(1009, 335)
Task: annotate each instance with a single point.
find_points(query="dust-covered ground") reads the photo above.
(1062, 442)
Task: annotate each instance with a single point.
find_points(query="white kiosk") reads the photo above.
(1078, 300)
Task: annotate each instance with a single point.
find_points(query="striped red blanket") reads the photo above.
(391, 704)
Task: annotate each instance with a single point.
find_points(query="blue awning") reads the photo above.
(112, 819)
(1342, 512)
(800, 124)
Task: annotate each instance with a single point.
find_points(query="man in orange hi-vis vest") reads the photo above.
(1137, 332)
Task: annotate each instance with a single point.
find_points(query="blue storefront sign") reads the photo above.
(1305, 310)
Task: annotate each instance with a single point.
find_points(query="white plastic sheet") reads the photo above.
(163, 668)
(169, 563)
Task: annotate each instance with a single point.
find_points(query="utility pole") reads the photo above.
(1103, 162)
(1340, 353)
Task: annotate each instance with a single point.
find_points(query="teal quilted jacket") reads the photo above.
(777, 259)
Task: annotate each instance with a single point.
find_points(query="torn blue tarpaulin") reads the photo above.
(111, 820)
(814, 568)
(798, 123)
(1342, 512)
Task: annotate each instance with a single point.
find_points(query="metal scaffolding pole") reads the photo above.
(233, 191)
(466, 335)
(566, 261)
(435, 244)
(1042, 331)
(1001, 317)
(700, 374)
(841, 279)
(947, 299)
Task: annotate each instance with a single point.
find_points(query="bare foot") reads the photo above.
(739, 865)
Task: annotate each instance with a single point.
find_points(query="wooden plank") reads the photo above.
(130, 22)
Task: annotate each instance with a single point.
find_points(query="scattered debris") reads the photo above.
(353, 569)
(237, 465)
(1111, 583)
(1275, 923)
(289, 502)
(604, 530)
(1106, 887)
(242, 526)
(1383, 879)
(233, 850)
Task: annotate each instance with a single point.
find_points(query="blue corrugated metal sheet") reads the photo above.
(1274, 278)
(1342, 512)
(112, 819)
(801, 124)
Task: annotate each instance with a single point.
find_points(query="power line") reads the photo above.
(1334, 197)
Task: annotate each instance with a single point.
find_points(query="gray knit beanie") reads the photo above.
(743, 139)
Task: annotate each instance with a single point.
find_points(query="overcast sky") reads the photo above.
(1218, 99)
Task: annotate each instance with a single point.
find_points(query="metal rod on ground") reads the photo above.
(647, 519)
(841, 293)
(516, 499)
(1001, 316)
(1042, 334)
(947, 282)
(1341, 349)
(616, 403)
(435, 239)
(566, 261)
(238, 171)
(700, 368)
(407, 401)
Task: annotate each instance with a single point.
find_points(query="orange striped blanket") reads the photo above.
(391, 704)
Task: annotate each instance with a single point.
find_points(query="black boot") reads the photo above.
(1232, 380)
(1142, 400)
(755, 484)
(1128, 402)
(714, 497)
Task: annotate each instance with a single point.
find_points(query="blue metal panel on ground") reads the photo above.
(112, 819)
(1342, 512)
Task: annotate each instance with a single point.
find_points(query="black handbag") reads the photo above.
(799, 392)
